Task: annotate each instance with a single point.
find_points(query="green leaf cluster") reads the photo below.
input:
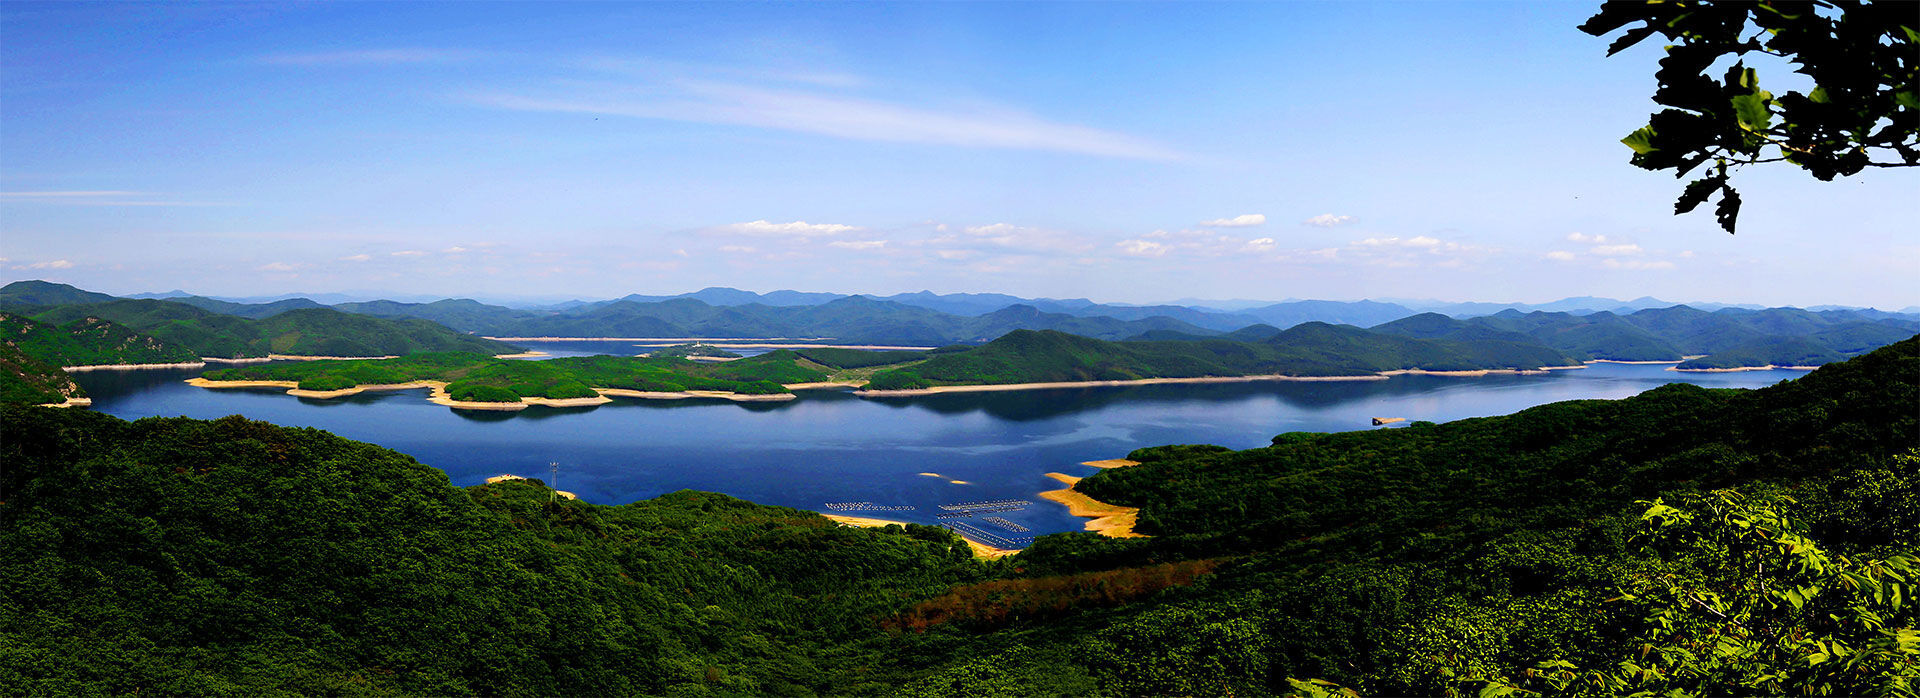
(1862, 111)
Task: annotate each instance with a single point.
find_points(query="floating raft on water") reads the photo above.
(866, 507)
(984, 536)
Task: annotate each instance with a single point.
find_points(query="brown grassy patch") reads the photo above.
(1000, 602)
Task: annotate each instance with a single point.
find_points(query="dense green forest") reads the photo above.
(230, 557)
(482, 378)
(1726, 338)
(177, 556)
(1311, 349)
(689, 350)
(89, 341)
(303, 332)
(25, 380)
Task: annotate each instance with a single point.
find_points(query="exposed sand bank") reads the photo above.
(823, 385)
(71, 402)
(132, 367)
(685, 394)
(1111, 463)
(1737, 369)
(248, 360)
(440, 396)
(1636, 363)
(995, 387)
(503, 477)
(1109, 520)
(521, 355)
(979, 549)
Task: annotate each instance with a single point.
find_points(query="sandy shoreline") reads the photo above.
(979, 549)
(248, 360)
(1111, 463)
(440, 396)
(1737, 369)
(132, 367)
(1109, 520)
(70, 402)
(521, 355)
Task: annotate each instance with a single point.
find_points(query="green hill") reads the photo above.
(1755, 337)
(25, 380)
(1310, 349)
(89, 342)
(36, 292)
(186, 557)
(482, 378)
(303, 331)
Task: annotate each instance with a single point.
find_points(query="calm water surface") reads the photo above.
(834, 447)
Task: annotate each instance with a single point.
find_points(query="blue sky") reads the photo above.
(1123, 152)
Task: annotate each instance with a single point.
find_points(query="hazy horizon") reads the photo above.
(1123, 153)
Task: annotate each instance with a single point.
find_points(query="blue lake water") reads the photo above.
(835, 447)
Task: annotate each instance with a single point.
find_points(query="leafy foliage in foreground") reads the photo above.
(231, 557)
(482, 378)
(1863, 111)
(1764, 609)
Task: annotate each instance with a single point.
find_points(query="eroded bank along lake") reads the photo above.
(833, 447)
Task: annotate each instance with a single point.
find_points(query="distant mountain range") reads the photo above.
(1588, 328)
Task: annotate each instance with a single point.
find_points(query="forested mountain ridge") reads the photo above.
(1726, 338)
(1307, 350)
(1746, 337)
(89, 341)
(25, 380)
(304, 331)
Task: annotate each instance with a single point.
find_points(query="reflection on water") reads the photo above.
(832, 446)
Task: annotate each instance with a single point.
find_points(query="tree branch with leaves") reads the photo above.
(1863, 111)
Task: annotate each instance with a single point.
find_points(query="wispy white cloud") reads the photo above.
(1635, 264)
(858, 244)
(356, 258)
(456, 249)
(1259, 245)
(1416, 241)
(1236, 221)
(793, 229)
(737, 249)
(410, 253)
(52, 264)
(1143, 248)
(817, 109)
(1616, 250)
(1560, 256)
(392, 56)
(1587, 239)
(1327, 220)
(278, 267)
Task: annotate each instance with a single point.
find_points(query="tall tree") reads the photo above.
(1863, 110)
